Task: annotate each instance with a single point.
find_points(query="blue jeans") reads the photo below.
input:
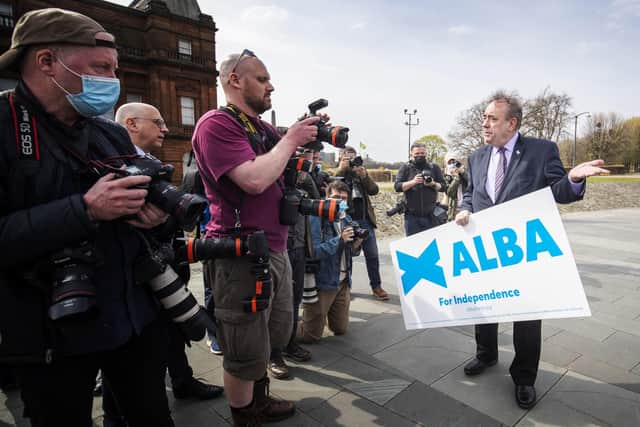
(370, 249)
(415, 224)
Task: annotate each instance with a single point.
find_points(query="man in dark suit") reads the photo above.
(511, 166)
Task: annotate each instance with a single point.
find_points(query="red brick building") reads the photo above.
(166, 58)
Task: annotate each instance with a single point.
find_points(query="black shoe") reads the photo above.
(525, 396)
(294, 352)
(477, 366)
(196, 389)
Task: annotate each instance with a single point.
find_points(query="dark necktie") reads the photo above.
(500, 170)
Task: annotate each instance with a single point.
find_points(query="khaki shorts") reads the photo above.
(245, 338)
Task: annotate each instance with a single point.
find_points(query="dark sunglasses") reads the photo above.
(245, 53)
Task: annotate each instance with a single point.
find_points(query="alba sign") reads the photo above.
(511, 262)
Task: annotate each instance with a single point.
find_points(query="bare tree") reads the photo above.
(608, 136)
(546, 115)
(467, 134)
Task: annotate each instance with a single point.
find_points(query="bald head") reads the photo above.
(144, 123)
(246, 83)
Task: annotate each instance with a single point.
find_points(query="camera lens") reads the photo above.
(334, 135)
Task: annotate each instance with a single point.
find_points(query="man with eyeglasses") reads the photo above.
(241, 159)
(147, 130)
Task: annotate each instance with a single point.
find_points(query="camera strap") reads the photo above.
(27, 143)
(256, 139)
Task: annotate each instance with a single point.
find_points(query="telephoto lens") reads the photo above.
(181, 305)
(310, 291)
(328, 209)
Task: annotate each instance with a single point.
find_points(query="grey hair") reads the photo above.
(417, 145)
(514, 105)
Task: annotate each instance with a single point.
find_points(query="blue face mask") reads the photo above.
(98, 96)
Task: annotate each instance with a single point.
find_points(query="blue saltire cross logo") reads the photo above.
(423, 267)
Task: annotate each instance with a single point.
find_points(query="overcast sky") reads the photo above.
(372, 59)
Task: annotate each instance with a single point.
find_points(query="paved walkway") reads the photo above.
(379, 374)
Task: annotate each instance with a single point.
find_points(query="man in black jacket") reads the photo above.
(420, 181)
(68, 253)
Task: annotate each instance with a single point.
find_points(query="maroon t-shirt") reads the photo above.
(220, 144)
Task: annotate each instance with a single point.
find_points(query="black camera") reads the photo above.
(185, 207)
(295, 201)
(172, 293)
(356, 161)
(358, 231)
(334, 135)
(457, 164)
(426, 175)
(254, 245)
(399, 208)
(73, 293)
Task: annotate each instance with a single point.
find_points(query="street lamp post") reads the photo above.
(575, 134)
(409, 123)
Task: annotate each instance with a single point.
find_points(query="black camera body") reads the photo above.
(334, 135)
(356, 161)
(426, 175)
(399, 208)
(295, 201)
(185, 207)
(358, 231)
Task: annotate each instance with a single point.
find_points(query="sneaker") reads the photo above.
(278, 368)
(214, 347)
(193, 388)
(294, 352)
(380, 294)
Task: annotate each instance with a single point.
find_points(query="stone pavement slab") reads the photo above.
(492, 392)
(348, 409)
(430, 355)
(379, 374)
(604, 403)
(431, 407)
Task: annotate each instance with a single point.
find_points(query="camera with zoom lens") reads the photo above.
(73, 293)
(185, 207)
(295, 201)
(337, 136)
(426, 175)
(172, 293)
(356, 161)
(254, 245)
(399, 208)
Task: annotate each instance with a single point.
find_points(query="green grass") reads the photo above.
(388, 186)
(614, 178)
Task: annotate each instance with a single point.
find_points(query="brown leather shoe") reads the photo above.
(270, 409)
(380, 294)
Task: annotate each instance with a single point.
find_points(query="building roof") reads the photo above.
(187, 8)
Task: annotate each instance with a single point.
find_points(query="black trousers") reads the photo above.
(179, 371)
(527, 338)
(60, 394)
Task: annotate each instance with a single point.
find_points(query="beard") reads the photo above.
(258, 104)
